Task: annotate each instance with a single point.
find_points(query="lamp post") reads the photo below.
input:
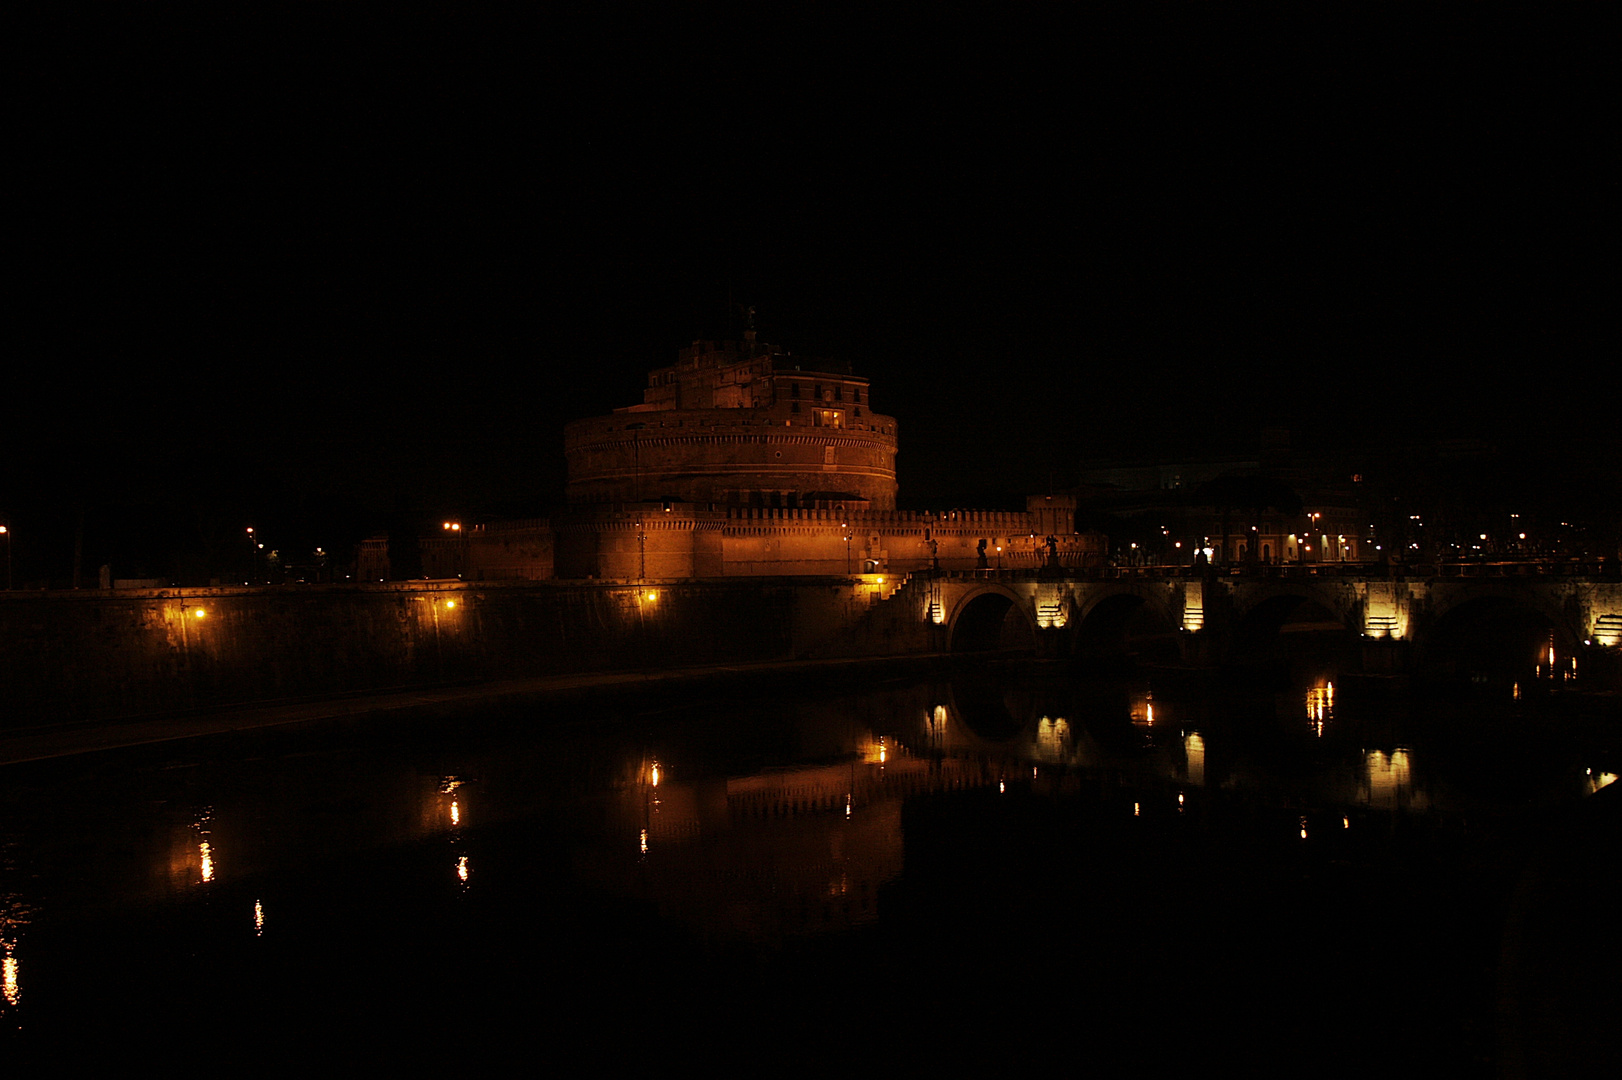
(5, 532)
(453, 529)
(254, 548)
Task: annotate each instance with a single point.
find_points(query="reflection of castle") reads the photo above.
(738, 462)
(774, 854)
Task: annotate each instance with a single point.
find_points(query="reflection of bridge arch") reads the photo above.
(991, 711)
(991, 617)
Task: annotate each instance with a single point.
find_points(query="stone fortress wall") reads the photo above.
(649, 540)
(741, 462)
(738, 423)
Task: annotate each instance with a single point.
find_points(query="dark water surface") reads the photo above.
(1007, 867)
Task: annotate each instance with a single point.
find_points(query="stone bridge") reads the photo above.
(1460, 621)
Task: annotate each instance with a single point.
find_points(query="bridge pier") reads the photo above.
(1197, 649)
(1602, 664)
(1387, 656)
(1052, 643)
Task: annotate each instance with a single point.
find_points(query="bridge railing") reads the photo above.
(1470, 568)
(1503, 568)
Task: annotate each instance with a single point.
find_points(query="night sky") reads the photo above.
(315, 270)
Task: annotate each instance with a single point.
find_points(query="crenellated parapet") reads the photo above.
(673, 539)
(736, 423)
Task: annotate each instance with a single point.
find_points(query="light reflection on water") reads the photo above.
(15, 915)
(8, 979)
(1390, 783)
(775, 825)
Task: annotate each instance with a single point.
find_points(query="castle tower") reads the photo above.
(736, 423)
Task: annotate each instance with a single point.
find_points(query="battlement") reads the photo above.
(736, 424)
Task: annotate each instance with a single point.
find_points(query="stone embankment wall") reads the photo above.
(93, 655)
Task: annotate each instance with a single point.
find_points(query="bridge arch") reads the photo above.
(992, 617)
(1128, 620)
(1295, 625)
(1334, 602)
(1495, 634)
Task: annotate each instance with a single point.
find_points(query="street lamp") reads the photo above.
(453, 529)
(5, 531)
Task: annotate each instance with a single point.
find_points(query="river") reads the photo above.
(1006, 865)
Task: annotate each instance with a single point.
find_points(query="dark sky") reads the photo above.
(306, 269)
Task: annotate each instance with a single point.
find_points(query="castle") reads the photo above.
(739, 462)
(735, 424)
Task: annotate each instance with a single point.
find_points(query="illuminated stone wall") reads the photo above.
(746, 457)
(71, 656)
(652, 540)
(67, 657)
(735, 423)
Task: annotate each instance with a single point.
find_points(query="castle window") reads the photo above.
(794, 390)
(839, 393)
(794, 407)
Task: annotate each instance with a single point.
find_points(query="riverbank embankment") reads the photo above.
(40, 742)
(120, 656)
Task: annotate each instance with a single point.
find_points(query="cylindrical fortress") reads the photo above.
(735, 423)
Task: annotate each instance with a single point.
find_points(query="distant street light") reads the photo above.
(5, 531)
